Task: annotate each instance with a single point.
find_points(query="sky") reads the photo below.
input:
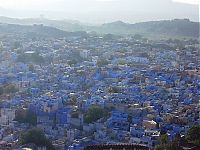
(101, 11)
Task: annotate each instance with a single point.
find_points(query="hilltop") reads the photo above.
(36, 31)
(164, 28)
(177, 27)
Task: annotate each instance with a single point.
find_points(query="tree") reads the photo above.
(25, 116)
(193, 135)
(7, 89)
(72, 62)
(138, 36)
(74, 99)
(94, 113)
(34, 58)
(10, 89)
(164, 139)
(17, 44)
(175, 144)
(122, 50)
(31, 67)
(37, 137)
(159, 147)
(102, 62)
(1, 90)
(114, 89)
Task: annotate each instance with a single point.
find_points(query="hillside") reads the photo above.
(67, 25)
(166, 28)
(36, 31)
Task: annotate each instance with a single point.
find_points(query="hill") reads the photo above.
(168, 28)
(36, 31)
(67, 25)
(156, 29)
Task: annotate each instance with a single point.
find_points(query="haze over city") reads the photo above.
(99, 74)
(101, 11)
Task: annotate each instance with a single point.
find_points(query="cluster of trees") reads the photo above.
(31, 67)
(37, 137)
(115, 89)
(34, 57)
(72, 62)
(17, 44)
(192, 137)
(25, 116)
(8, 89)
(102, 62)
(93, 114)
(73, 57)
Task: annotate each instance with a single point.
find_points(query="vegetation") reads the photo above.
(138, 36)
(114, 89)
(31, 67)
(159, 29)
(73, 99)
(122, 50)
(34, 57)
(72, 62)
(8, 89)
(37, 137)
(193, 136)
(25, 116)
(17, 44)
(179, 28)
(102, 62)
(169, 145)
(93, 114)
(164, 139)
(1, 90)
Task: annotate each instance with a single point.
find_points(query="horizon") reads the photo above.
(41, 18)
(99, 74)
(101, 11)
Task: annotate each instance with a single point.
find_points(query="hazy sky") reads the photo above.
(100, 11)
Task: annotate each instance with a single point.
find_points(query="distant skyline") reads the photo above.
(102, 11)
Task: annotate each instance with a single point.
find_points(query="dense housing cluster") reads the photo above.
(89, 89)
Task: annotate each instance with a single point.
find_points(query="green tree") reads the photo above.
(138, 36)
(102, 62)
(122, 50)
(25, 116)
(31, 68)
(114, 89)
(159, 147)
(74, 99)
(10, 89)
(1, 90)
(193, 135)
(17, 44)
(175, 144)
(37, 137)
(72, 62)
(93, 114)
(34, 58)
(164, 139)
